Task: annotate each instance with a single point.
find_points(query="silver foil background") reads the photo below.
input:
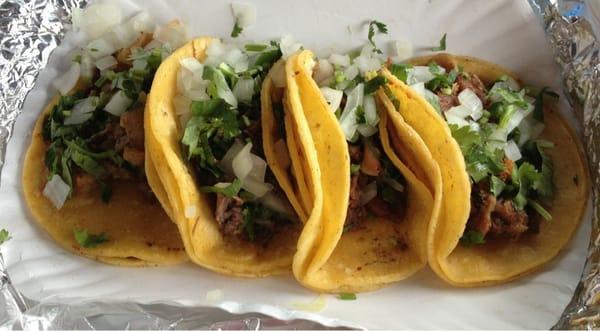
(31, 29)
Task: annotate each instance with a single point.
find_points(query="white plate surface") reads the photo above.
(505, 32)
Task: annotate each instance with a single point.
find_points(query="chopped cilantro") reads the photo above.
(376, 27)
(540, 210)
(440, 81)
(347, 296)
(237, 30)
(472, 237)
(255, 47)
(4, 236)
(400, 71)
(89, 240)
(442, 46)
(229, 191)
(496, 185)
(373, 84)
(354, 168)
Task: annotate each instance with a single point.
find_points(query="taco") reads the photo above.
(229, 157)
(375, 216)
(83, 174)
(515, 182)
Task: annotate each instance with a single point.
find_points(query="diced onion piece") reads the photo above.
(404, 49)
(152, 45)
(101, 47)
(348, 118)
(278, 74)
(471, 101)
(87, 67)
(259, 168)
(189, 79)
(370, 109)
(244, 13)
(458, 111)
(351, 72)
(456, 120)
(244, 90)
(369, 192)
(333, 97)
(106, 62)
(139, 64)
(419, 88)
(242, 163)
(418, 74)
(340, 60)
(323, 72)
(227, 160)
(256, 187)
(97, 18)
(65, 83)
(282, 154)
(182, 106)
(237, 59)
(142, 22)
(82, 111)
(288, 46)
(118, 104)
(530, 128)
(367, 130)
(368, 63)
(123, 35)
(277, 204)
(57, 191)
(516, 119)
(512, 151)
(174, 34)
(190, 211)
(511, 83)
(214, 53)
(215, 295)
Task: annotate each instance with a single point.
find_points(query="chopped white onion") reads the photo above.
(182, 106)
(118, 104)
(351, 72)
(340, 60)
(418, 74)
(471, 101)
(511, 83)
(242, 163)
(348, 118)
(458, 111)
(278, 74)
(404, 49)
(516, 118)
(333, 97)
(123, 35)
(530, 128)
(288, 46)
(256, 187)
(142, 22)
(139, 64)
(244, 90)
(65, 83)
(101, 47)
(237, 59)
(57, 191)
(366, 130)
(368, 63)
(370, 109)
(152, 45)
(174, 34)
(189, 79)
(512, 151)
(190, 211)
(323, 72)
(214, 53)
(369, 192)
(106, 62)
(82, 111)
(97, 18)
(227, 160)
(419, 88)
(456, 120)
(244, 13)
(87, 67)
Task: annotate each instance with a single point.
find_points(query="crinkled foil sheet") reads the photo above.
(31, 29)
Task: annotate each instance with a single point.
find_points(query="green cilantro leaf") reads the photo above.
(89, 240)
(442, 46)
(400, 71)
(347, 296)
(496, 185)
(229, 191)
(472, 237)
(4, 236)
(354, 168)
(255, 47)
(237, 30)
(376, 27)
(540, 210)
(373, 84)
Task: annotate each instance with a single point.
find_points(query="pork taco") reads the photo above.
(375, 215)
(83, 174)
(228, 155)
(515, 183)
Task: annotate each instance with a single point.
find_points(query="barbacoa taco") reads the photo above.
(375, 216)
(229, 156)
(83, 174)
(515, 184)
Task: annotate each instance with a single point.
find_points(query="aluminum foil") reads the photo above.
(31, 29)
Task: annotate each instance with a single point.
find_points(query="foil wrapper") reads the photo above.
(31, 29)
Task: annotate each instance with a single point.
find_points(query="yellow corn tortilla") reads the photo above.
(192, 210)
(493, 262)
(366, 258)
(139, 232)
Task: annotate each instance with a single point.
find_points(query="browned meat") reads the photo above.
(482, 205)
(112, 136)
(115, 172)
(134, 156)
(379, 207)
(508, 221)
(355, 153)
(473, 83)
(229, 215)
(133, 123)
(83, 183)
(370, 164)
(355, 211)
(124, 53)
(447, 101)
(506, 174)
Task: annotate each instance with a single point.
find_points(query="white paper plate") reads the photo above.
(505, 32)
